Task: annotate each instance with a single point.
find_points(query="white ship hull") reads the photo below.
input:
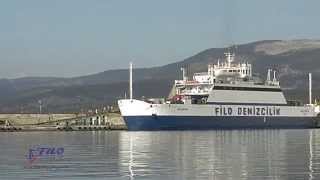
(140, 115)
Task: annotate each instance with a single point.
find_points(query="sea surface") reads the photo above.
(230, 154)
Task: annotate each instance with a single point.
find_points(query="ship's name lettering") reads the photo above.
(247, 111)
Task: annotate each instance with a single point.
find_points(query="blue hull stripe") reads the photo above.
(137, 123)
(247, 104)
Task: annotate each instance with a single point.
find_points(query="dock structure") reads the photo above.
(94, 122)
(67, 122)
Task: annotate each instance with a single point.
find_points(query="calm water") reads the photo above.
(242, 154)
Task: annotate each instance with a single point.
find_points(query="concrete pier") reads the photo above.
(32, 119)
(28, 122)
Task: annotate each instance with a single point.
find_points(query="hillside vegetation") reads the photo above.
(292, 59)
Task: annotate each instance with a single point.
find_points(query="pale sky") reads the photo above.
(65, 38)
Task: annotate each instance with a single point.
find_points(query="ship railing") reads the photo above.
(194, 92)
(182, 82)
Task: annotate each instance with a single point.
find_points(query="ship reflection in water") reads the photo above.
(243, 154)
(236, 154)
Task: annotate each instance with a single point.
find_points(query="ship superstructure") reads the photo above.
(229, 83)
(226, 96)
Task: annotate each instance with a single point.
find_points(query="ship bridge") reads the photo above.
(228, 68)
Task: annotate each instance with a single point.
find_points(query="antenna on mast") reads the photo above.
(184, 74)
(229, 58)
(274, 76)
(310, 88)
(130, 81)
(269, 76)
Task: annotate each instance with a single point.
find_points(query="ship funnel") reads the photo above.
(130, 80)
(310, 88)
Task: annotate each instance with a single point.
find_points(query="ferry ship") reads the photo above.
(227, 96)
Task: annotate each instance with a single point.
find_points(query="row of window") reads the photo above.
(246, 88)
(234, 71)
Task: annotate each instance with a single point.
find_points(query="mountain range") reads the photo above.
(292, 59)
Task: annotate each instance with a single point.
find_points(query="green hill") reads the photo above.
(292, 59)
